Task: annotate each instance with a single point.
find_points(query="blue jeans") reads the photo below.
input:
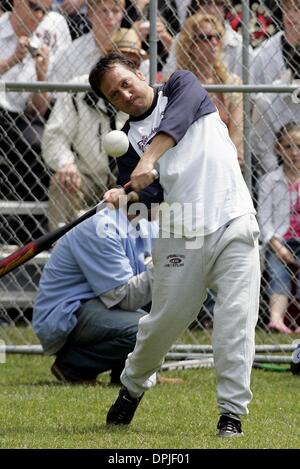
(281, 274)
(100, 341)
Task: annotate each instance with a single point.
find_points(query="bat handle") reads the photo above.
(127, 186)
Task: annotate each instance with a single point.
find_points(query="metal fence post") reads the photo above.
(153, 41)
(246, 97)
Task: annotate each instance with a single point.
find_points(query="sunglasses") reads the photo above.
(37, 7)
(207, 37)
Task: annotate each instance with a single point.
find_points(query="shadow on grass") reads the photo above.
(35, 384)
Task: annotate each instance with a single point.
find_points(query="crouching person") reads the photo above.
(91, 293)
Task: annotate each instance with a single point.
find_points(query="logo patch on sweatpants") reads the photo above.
(175, 260)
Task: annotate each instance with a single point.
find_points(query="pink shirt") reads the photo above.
(294, 228)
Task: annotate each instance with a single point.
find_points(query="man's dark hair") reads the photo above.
(103, 65)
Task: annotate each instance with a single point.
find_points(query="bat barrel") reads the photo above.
(23, 254)
(17, 258)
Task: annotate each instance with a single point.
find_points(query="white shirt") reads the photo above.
(182, 6)
(74, 131)
(202, 172)
(271, 112)
(78, 59)
(268, 64)
(273, 210)
(53, 31)
(232, 53)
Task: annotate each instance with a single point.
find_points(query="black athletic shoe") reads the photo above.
(229, 426)
(122, 411)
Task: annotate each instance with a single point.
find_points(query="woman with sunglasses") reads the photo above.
(199, 50)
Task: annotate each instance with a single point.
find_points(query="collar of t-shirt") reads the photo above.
(149, 111)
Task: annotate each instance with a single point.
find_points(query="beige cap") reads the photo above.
(127, 40)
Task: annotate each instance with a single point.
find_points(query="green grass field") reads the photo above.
(38, 412)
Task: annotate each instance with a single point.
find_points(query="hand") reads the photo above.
(284, 255)
(241, 162)
(142, 27)
(42, 63)
(22, 49)
(118, 198)
(163, 34)
(143, 175)
(69, 178)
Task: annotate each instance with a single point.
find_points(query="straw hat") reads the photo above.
(128, 41)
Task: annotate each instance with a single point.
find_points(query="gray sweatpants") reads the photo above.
(227, 262)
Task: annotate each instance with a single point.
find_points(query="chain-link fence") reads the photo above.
(52, 133)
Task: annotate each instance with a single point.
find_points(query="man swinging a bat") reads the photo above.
(208, 236)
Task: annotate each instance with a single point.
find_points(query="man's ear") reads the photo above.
(140, 75)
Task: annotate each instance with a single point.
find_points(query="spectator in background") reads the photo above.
(232, 41)
(72, 145)
(137, 16)
(199, 48)
(30, 40)
(279, 219)
(72, 148)
(282, 51)
(270, 112)
(105, 17)
(74, 12)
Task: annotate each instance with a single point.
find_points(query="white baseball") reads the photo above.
(115, 143)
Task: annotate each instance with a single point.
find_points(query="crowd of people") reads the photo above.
(50, 143)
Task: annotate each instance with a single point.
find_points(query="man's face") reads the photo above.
(127, 90)
(105, 14)
(31, 12)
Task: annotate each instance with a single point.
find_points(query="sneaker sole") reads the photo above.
(233, 435)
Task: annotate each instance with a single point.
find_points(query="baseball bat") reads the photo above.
(30, 250)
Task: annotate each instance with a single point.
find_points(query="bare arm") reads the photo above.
(142, 175)
(133, 295)
(283, 253)
(16, 57)
(236, 129)
(39, 102)
(7, 64)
